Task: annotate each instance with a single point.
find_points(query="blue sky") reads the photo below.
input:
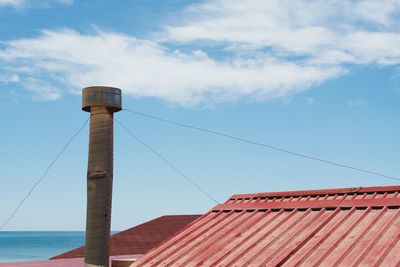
(315, 77)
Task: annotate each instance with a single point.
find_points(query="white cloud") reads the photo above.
(42, 90)
(33, 3)
(12, 3)
(9, 78)
(270, 49)
(144, 68)
(381, 12)
(327, 32)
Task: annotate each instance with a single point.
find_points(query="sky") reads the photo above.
(320, 78)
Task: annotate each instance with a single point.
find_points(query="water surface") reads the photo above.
(26, 246)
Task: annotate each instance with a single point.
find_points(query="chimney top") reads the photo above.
(101, 96)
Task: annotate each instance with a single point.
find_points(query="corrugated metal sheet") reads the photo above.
(141, 238)
(340, 227)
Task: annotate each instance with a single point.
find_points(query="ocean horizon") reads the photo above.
(38, 245)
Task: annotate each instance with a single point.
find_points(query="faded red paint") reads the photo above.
(141, 238)
(346, 227)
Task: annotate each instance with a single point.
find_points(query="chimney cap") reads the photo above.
(101, 96)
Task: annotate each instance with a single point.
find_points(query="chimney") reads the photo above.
(101, 102)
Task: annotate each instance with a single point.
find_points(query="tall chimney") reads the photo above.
(101, 102)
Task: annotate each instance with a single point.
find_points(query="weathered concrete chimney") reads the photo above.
(101, 102)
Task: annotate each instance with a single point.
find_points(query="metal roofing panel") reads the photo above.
(141, 238)
(346, 227)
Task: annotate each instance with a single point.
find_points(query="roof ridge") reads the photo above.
(348, 190)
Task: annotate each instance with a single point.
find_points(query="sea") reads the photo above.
(27, 246)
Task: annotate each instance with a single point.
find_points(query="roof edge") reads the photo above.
(377, 189)
(322, 204)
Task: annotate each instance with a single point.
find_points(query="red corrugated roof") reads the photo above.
(346, 227)
(141, 238)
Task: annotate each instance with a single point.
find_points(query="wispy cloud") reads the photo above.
(12, 3)
(9, 78)
(41, 90)
(325, 32)
(271, 49)
(18, 4)
(145, 68)
(357, 103)
(66, 2)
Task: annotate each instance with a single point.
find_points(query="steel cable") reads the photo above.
(167, 162)
(43, 175)
(262, 145)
